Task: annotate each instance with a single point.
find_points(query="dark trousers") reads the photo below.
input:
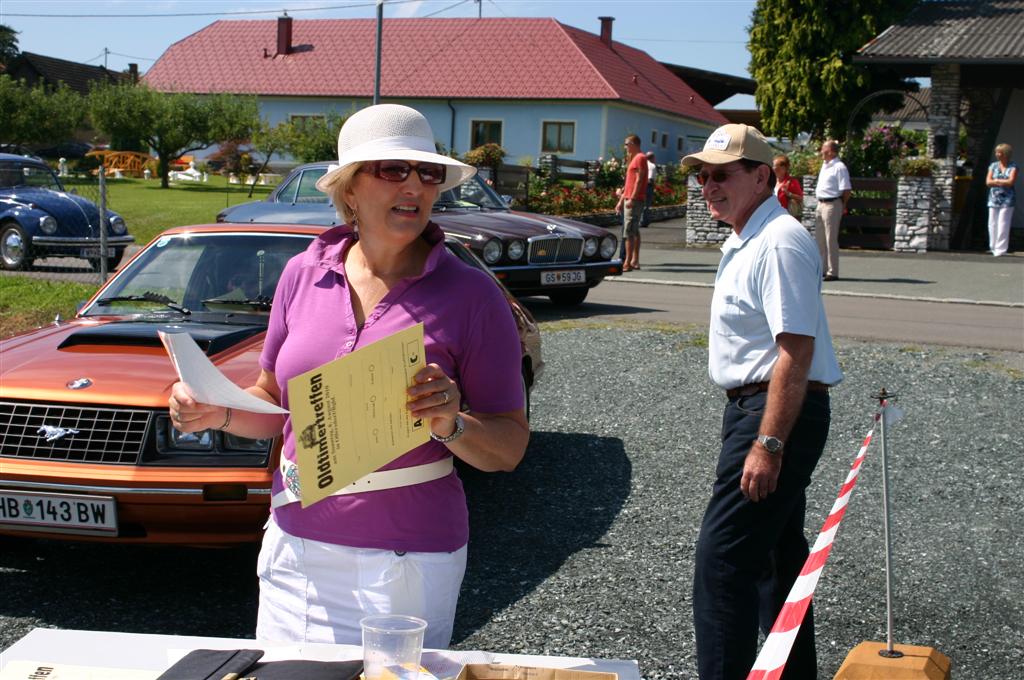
(749, 554)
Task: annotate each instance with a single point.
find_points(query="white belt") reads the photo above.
(375, 481)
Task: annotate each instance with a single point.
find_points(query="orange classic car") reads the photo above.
(87, 450)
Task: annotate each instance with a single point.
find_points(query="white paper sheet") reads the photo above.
(208, 384)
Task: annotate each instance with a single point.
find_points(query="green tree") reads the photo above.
(37, 115)
(8, 44)
(268, 140)
(315, 138)
(801, 57)
(171, 123)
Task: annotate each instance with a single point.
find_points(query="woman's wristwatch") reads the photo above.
(460, 427)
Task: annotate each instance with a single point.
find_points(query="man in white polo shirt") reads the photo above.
(833, 193)
(770, 350)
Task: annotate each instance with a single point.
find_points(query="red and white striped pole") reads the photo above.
(775, 651)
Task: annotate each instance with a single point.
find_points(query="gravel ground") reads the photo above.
(587, 549)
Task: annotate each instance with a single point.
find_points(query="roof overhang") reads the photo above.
(712, 86)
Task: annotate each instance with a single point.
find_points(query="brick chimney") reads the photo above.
(133, 73)
(284, 34)
(606, 30)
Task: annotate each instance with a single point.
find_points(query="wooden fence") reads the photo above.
(871, 219)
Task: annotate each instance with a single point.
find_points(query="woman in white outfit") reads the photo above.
(1001, 198)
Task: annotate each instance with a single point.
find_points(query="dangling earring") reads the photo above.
(354, 222)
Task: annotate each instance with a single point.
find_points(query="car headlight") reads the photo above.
(516, 250)
(47, 224)
(189, 441)
(117, 225)
(235, 443)
(609, 246)
(170, 440)
(492, 251)
(590, 246)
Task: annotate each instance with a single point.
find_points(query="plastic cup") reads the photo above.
(392, 645)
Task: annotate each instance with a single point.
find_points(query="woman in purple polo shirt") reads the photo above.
(400, 549)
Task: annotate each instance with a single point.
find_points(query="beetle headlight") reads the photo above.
(609, 246)
(590, 246)
(47, 224)
(492, 251)
(117, 225)
(516, 250)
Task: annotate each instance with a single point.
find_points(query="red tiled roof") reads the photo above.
(492, 58)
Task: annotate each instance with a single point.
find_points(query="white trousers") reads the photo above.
(312, 591)
(999, 229)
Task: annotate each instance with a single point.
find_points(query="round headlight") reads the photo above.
(47, 224)
(492, 251)
(590, 246)
(516, 250)
(117, 225)
(609, 246)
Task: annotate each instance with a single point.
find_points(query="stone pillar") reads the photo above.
(913, 214)
(943, 119)
(701, 228)
(810, 202)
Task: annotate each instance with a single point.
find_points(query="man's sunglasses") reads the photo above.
(398, 171)
(717, 175)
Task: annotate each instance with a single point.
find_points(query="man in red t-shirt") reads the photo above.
(631, 202)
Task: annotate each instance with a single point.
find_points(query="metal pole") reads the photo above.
(380, 32)
(889, 651)
(103, 225)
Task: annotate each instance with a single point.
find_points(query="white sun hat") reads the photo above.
(391, 132)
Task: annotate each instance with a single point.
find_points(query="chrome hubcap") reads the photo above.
(13, 247)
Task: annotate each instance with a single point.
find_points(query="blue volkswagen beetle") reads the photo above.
(39, 219)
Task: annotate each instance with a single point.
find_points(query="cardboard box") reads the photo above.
(483, 671)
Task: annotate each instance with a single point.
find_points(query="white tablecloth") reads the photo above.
(139, 651)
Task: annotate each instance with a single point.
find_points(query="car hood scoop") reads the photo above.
(211, 338)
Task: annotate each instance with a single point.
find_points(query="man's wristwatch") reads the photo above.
(460, 427)
(772, 445)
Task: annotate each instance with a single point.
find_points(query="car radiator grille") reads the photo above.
(551, 249)
(104, 435)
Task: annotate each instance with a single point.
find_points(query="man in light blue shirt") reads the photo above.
(770, 350)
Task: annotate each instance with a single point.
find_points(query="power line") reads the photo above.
(460, 2)
(203, 14)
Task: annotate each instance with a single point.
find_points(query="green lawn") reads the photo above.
(148, 209)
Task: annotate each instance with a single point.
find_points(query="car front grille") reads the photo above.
(551, 249)
(77, 433)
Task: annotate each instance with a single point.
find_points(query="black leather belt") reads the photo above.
(829, 200)
(754, 388)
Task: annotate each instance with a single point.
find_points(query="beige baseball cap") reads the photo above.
(731, 143)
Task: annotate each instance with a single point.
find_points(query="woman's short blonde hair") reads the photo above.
(1006, 149)
(781, 157)
(338, 186)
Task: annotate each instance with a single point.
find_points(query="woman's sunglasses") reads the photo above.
(717, 176)
(398, 171)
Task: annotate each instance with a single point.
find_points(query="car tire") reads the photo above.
(15, 247)
(112, 261)
(526, 393)
(568, 297)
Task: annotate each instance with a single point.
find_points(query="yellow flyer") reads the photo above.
(349, 416)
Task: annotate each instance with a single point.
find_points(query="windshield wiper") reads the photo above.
(145, 297)
(260, 302)
(442, 205)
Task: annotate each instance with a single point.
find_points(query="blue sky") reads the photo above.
(707, 34)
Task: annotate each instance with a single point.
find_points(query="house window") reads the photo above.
(679, 144)
(559, 137)
(654, 137)
(485, 132)
(664, 140)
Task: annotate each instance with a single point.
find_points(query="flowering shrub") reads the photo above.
(573, 198)
(611, 174)
(485, 156)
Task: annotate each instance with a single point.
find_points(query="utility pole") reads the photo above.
(479, 9)
(380, 32)
(105, 53)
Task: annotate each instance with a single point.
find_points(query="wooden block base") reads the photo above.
(917, 663)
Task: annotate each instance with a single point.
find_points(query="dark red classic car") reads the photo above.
(531, 254)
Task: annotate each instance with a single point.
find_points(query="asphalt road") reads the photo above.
(862, 317)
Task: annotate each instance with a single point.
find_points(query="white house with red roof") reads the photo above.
(534, 86)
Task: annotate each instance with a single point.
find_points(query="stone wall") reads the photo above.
(701, 228)
(944, 122)
(914, 197)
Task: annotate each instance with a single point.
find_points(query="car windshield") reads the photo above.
(192, 274)
(475, 193)
(17, 174)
